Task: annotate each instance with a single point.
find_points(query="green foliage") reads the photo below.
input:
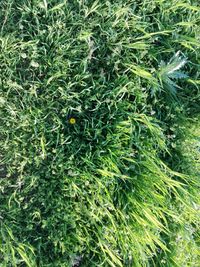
(170, 71)
(119, 185)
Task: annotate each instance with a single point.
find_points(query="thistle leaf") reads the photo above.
(171, 71)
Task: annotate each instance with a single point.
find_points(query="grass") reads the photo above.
(99, 126)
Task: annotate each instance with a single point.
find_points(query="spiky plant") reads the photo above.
(171, 71)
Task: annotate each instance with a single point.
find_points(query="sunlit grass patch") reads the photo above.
(99, 128)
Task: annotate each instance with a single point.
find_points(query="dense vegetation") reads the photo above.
(99, 127)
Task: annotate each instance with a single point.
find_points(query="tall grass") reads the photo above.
(99, 127)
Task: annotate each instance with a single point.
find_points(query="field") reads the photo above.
(99, 133)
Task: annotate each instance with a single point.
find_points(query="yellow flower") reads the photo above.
(72, 120)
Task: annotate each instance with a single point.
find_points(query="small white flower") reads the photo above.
(34, 64)
(23, 55)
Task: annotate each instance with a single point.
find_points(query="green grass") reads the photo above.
(119, 188)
